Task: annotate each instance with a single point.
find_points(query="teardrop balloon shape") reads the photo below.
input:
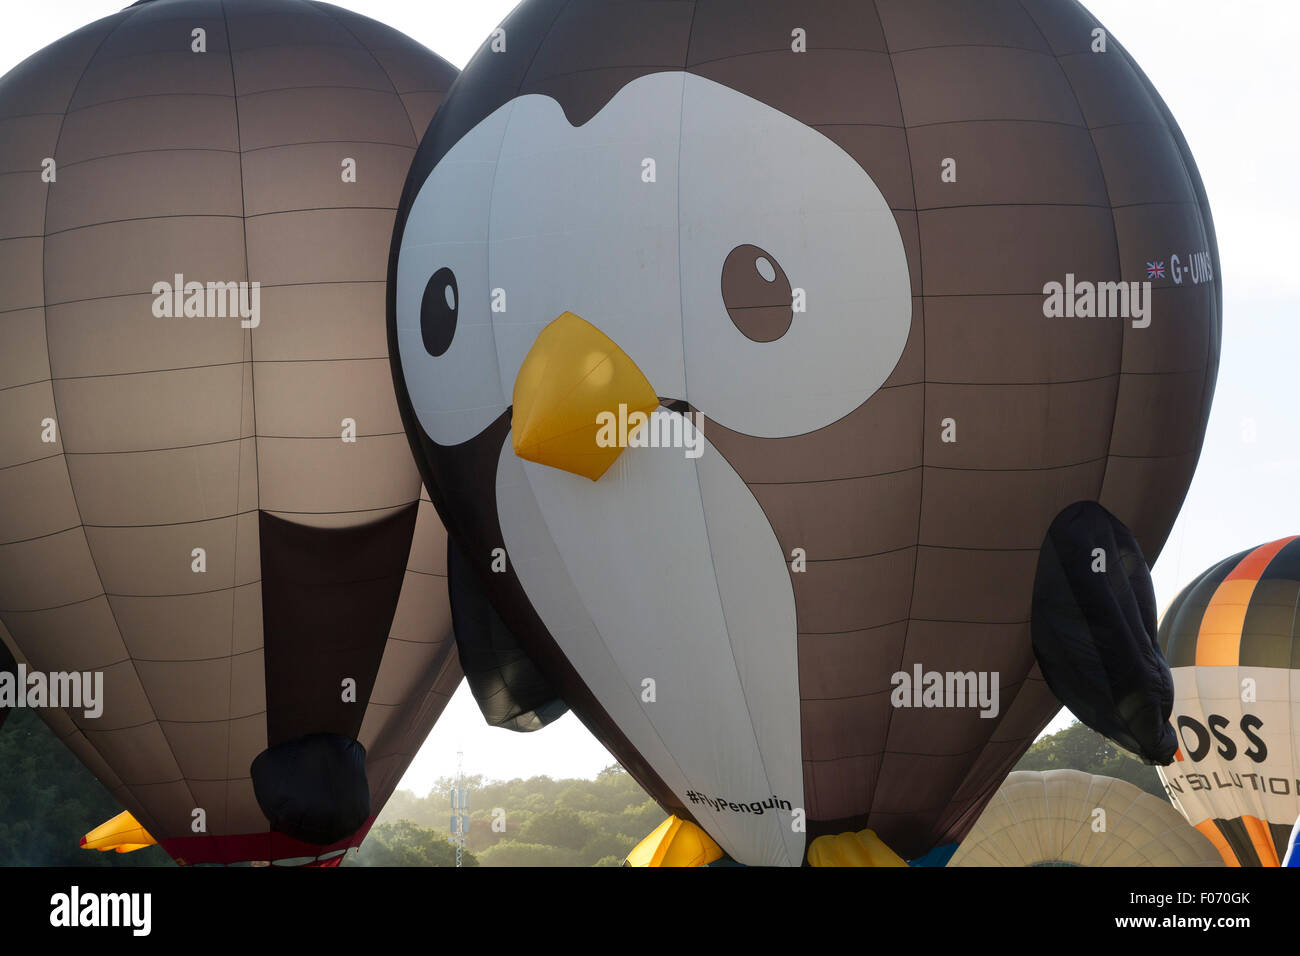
(208, 509)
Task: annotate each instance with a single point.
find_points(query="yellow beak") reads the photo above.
(572, 381)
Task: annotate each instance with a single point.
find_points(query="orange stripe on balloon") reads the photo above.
(1218, 643)
(1210, 830)
(1262, 838)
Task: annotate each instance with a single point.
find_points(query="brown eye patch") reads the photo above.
(756, 293)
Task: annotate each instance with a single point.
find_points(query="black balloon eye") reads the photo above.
(438, 310)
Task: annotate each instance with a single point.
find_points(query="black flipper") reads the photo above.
(510, 690)
(313, 788)
(1094, 631)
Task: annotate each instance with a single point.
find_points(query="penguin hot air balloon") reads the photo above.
(750, 352)
(1233, 644)
(206, 498)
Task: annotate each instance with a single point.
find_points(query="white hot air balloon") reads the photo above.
(1072, 818)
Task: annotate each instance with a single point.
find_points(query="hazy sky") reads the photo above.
(1228, 72)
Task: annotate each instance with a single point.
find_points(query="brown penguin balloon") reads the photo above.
(794, 378)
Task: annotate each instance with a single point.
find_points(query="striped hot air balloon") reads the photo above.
(1231, 641)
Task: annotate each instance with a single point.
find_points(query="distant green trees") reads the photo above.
(562, 828)
(541, 821)
(49, 801)
(403, 843)
(1078, 747)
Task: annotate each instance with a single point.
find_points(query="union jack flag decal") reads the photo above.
(1155, 270)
